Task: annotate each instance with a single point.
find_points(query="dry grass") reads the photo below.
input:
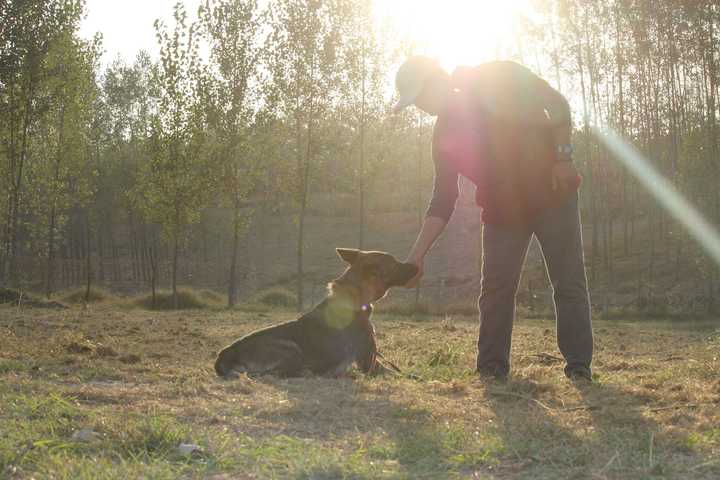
(143, 382)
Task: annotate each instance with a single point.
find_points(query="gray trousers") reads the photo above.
(559, 234)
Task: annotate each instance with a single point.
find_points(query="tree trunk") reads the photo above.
(589, 167)
(134, 248)
(262, 233)
(53, 204)
(101, 253)
(113, 255)
(142, 253)
(77, 253)
(620, 60)
(16, 187)
(153, 254)
(232, 287)
(303, 212)
(361, 172)
(51, 253)
(176, 248)
(88, 265)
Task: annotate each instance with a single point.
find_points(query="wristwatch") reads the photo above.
(565, 152)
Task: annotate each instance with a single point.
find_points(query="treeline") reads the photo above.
(287, 98)
(117, 173)
(647, 71)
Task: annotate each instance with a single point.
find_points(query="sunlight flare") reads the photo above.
(664, 192)
(456, 32)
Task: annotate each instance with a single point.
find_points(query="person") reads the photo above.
(507, 131)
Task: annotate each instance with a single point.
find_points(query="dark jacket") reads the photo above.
(495, 132)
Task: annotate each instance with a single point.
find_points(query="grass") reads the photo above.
(142, 383)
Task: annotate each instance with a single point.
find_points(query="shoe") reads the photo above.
(579, 375)
(493, 374)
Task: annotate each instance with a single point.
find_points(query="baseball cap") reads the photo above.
(410, 79)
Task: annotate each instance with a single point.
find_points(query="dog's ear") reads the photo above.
(350, 255)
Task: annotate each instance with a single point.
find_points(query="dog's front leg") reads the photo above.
(340, 371)
(367, 358)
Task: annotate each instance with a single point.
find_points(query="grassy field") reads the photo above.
(111, 392)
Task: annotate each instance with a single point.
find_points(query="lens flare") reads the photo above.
(664, 192)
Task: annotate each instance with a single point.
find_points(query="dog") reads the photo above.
(331, 337)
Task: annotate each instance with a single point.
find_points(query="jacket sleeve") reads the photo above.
(445, 188)
(554, 103)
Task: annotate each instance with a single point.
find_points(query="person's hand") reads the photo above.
(413, 282)
(564, 176)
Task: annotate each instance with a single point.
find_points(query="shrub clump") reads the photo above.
(186, 300)
(277, 297)
(9, 295)
(211, 296)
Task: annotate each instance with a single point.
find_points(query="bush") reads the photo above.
(277, 297)
(212, 296)
(8, 295)
(187, 300)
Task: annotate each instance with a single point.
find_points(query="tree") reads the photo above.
(363, 92)
(302, 60)
(121, 140)
(27, 32)
(174, 184)
(233, 29)
(67, 178)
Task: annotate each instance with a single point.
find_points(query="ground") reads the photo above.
(111, 392)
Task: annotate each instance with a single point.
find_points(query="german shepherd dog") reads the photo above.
(331, 337)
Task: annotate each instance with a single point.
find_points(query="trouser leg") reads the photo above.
(559, 233)
(504, 252)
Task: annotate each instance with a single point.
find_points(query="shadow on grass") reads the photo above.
(538, 444)
(627, 431)
(608, 435)
(371, 425)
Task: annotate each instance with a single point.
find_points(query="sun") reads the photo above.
(456, 32)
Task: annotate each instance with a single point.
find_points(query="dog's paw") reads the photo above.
(231, 375)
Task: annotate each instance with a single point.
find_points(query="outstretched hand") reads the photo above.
(413, 282)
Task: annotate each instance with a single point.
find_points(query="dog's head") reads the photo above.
(373, 273)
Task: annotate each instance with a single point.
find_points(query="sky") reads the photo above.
(127, 26)
(456, 32)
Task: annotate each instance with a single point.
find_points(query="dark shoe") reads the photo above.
(579, 374)
(493, 374)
